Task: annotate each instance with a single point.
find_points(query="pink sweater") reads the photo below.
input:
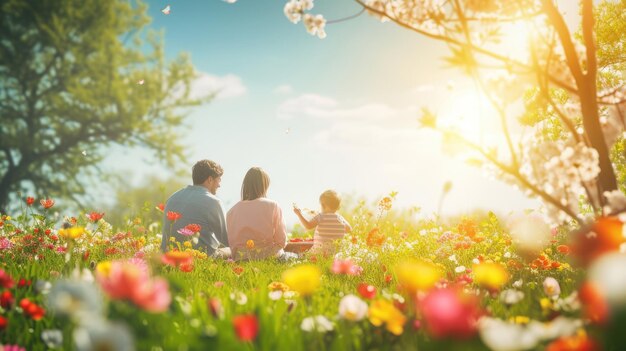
(259, 220)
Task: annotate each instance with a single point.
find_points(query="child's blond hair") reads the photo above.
(331, 200)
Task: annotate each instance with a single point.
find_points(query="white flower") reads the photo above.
(460, 269)
(518, 283)
(75, 298)
(53, 338)
(292, 11)
(239, 297)
(352, 308)
(320, 324)
(452, 258)
(607, 273)
(476, 261)
(499, 335)
(507, 255)
(551, 287)
(275, 295)
(315, 25)
(84, 275)
(511, 296)
(101, 335)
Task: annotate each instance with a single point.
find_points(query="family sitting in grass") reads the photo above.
(253, 229)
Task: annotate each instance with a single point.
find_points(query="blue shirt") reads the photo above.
(197, 206)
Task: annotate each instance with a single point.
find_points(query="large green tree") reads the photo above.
(75, 79)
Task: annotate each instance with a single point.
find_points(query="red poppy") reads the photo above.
(238, 270)
(95, 216)
(246, 327)
(186, 267)
(595, 306)
(23, 283)
(3, 323)
(173, 216)
(5, 280)
(366, 291)
(6, 299)
(564, 249)
(46, 203)
(30, 200)
(193, 227)
(161, 207)
(215, 305)
(603, 236)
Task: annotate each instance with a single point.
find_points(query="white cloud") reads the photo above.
(228, 86)
(311, 105)
(283, 89)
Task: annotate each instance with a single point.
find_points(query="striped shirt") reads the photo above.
(330, 227)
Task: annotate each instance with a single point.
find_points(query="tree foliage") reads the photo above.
(76, 78)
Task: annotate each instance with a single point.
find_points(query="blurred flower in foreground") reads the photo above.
(607, 273)
(384, 312)
(450, 313)
(246, 327)
(102, 335)
(12, 348)
(346, 267)
(304, 279)
(176, 258)
(490, 275)
(511, 296)
(366, 291)
(53, 338)
(352, 308)
(128, 280)
(320, 324)
(605, 235)
(573, 343)
(417, 275)
(530, 232)
(77, 299)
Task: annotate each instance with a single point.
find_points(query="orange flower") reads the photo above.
(385, 203)
(595, 306)
(193, 227)
(238, 270)
(564, 249)
(605, 235)
(573, 343)
(173, 216)
(47, 203)
(177, 258)
(374, 238)
(246, 327)
(250, 244)
(382, 311)
(467, 227)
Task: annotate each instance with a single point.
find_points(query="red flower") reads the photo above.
(193, 227)
(604, 236)
(366, 291)
(5, 280)
(6, 299)
(450, 313)
(173, 216)
(23, 283)
(30, 200)
(215, 305)
(47, 203)
(564, 249)
(238, 270)
(374, 238)
(186, 267)
(246, 327)
(95, 216)
(160, 207)
(595, 306)
(3, 323)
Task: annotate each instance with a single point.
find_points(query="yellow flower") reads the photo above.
(104, 268)
(187, 244)
(72, 232)
(172, 239)
(304, 279)
(545, 303)
(520, 320)
(417, 275)
(382, 311)
(490, 275)
(278, 286)
(8, 218)
(137, 221)
(250, 244)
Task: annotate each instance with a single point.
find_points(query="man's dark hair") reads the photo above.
(204, 169)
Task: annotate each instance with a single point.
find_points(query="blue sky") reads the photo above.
(350, 103)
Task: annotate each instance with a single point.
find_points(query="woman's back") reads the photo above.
(256, 229)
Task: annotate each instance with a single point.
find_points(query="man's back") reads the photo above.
(197, 206)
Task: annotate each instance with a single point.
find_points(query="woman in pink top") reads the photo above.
(256, 228)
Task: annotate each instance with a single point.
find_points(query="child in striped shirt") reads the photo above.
(329, 225)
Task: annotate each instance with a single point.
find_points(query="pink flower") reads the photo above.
(13, 348)
(185, 232)
(5, 244)
(129, 280)
(450, 313)
(346, 267)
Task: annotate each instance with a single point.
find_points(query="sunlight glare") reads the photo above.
(466, 113)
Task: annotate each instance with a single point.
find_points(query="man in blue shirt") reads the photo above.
(197, 204)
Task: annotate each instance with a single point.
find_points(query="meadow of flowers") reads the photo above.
(396, 282)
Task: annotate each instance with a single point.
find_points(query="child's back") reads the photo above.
(331, 227)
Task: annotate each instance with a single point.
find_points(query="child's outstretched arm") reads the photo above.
(305, 223)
